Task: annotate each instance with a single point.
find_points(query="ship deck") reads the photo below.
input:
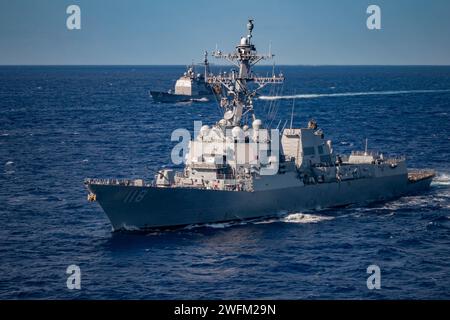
(419, 175)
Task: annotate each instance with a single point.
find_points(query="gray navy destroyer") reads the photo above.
(191, 86)
(238, 169)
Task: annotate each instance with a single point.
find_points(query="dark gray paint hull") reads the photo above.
(130, 207)
(165, 97)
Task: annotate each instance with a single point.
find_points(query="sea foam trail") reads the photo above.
(305, 218)
(349, 94)
(290, 218)
(442, 179)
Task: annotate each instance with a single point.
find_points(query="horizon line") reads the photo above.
(224, 65)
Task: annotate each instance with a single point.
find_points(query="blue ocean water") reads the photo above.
(59, 125)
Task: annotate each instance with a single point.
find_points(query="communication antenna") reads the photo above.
(284, 126)
(250, 27)
(278, 125)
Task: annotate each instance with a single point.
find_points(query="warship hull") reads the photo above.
(165, 97)
(143, 208)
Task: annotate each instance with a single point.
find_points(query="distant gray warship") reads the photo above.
(190, 86)
(236, 169)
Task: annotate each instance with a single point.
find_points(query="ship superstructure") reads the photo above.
(239, 169)
(227, 155)
(191, 86)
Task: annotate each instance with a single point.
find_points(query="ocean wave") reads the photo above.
(9, 165)
(201, 100)
(442, 179)
(305, 218)
(289, 218)
(348, 94)
(219, 225)
(130, 228)
(407, 202)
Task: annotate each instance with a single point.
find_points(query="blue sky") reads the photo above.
(310, 32)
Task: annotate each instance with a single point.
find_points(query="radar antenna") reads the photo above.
(240, 96)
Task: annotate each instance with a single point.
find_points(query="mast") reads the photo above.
(206, 64)
(239, 100)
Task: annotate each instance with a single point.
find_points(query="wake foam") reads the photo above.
(290, 218)
(130, 228)
(204, 99)
(221, 225)
(305, 218)
(442, 179)
(348, 94)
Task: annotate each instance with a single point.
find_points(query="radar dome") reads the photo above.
(222, 122)
(204, 130)
(237, 133)
(257, 124)
(228, 115)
